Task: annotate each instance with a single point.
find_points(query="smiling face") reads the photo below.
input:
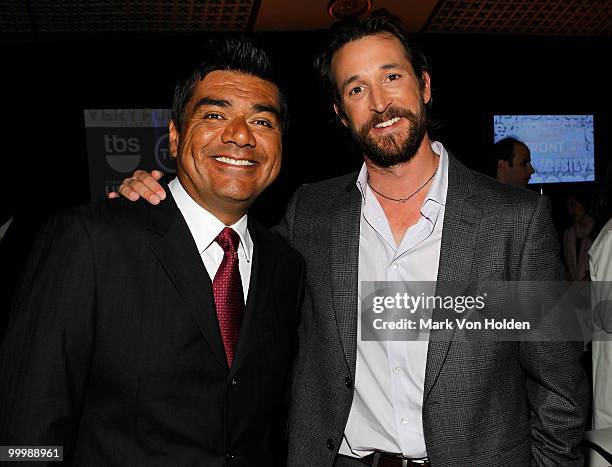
(229, 149)
(382, 101)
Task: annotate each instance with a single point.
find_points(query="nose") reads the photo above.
(379, 99)
(530, 169)
(239, 133)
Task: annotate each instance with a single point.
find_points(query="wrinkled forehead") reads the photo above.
(368, 53)
(237, 87)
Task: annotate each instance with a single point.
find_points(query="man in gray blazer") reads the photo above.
(415, 213)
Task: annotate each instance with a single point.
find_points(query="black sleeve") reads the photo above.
(45, 356)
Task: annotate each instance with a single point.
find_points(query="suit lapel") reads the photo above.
(177, 252)
(344, 263)
(262, 274)
(461, 218)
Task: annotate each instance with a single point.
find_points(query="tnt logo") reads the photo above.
(122, 154)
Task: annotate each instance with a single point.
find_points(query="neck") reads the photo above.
(228, 211)
(228, 218)
(400, 179)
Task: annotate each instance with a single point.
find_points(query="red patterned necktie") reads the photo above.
(227, 289)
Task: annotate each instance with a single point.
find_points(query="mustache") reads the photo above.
(391, 112)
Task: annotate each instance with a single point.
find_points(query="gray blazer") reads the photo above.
(485, 403)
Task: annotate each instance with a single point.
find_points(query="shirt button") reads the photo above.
(395, 266)
(379, 219)
(404, 421)
(397, 370)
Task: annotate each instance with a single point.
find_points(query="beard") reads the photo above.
(393, 149)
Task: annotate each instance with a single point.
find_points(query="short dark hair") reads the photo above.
(230, 53)
(504, 149)
(343, 32)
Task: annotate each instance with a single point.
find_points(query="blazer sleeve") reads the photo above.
(285, 227)
(556, 384)
(45, 356)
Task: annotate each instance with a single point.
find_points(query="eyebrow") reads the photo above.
(266, 108)
(225, 103)
(386, 66)
(390, 66)
(210, 101)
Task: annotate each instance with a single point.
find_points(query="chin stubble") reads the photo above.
(390, 150)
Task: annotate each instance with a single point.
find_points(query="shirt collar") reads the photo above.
(204, 226)
(439, 184)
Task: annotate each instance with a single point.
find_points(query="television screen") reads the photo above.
(561, 146)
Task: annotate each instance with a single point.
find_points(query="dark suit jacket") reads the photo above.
(485, 403)
(115, 351)
(14, 250)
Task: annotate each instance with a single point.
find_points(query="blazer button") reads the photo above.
(330, 444)
(229, 456)
(348, 382)
(234, 382)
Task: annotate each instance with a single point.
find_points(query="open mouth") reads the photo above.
(236, 162)
(388, 123)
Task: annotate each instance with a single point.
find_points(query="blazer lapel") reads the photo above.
(262, 273)
(461, 218)
(344, 263)
(177, 252)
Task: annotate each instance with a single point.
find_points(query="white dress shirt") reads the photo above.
(386, 413)
(205, 227)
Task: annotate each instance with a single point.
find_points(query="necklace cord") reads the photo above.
(402, 200)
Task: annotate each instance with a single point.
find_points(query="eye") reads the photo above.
(394, 76)
(213, 116)
(263, 122)
(355, 90)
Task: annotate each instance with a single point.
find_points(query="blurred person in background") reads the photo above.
(601, 361)
(576, 238)
(512, 160)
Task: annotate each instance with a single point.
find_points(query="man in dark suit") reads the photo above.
(131, 342)
(415, 213)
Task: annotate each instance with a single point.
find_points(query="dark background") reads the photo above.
(47, 86)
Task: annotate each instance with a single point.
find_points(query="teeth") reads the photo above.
(388, 123)
(227, 160)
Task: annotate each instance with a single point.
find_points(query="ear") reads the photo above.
(340, 115)
(426, 87)
(173, 139)
(502, 166)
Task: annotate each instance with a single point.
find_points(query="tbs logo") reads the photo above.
(122, 154)
(162, 155)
